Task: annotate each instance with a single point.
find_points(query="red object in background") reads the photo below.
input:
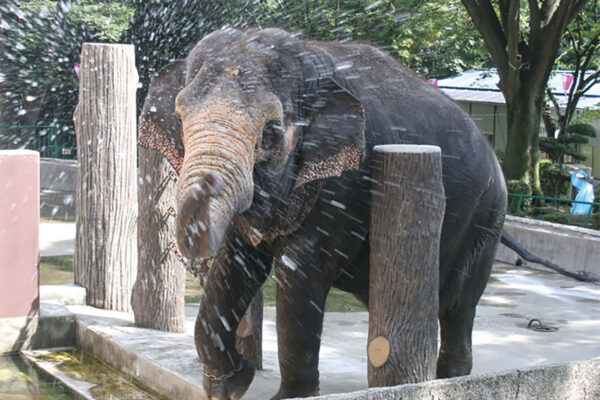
(433, 81)
(19, 233)
(567, 82)
(66, 152)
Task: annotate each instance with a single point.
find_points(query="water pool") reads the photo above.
(20, 379)
(32, 376)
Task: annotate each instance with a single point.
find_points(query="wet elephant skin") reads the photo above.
(272, 137)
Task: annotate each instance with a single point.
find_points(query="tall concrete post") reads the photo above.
(105, 260)
(407, 208)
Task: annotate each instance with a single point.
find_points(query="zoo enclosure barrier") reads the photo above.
(553, 209)
(55, 140)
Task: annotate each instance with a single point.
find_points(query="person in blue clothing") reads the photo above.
(585, 192)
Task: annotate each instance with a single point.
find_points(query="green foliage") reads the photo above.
(558, 148)
(104, 21)
(435, 38)
(42, 39)
(595, 221)
(554, 184)
(556, 217)
(582, 129)
(42, 42)
(516, 186)
(579, 54)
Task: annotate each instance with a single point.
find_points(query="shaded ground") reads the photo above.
(56, 270)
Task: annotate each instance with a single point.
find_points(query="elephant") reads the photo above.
(272, 137)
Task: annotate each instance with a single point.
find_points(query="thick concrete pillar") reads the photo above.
(105, 261)
(19, 233)
(407, 209)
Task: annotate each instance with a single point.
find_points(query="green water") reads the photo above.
(19, 379)
(107, 383)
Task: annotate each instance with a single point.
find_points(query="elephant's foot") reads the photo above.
(454, 363)
(231, 386)
(286, 393)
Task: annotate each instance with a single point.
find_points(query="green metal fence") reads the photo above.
(52, 141)
(553, 210)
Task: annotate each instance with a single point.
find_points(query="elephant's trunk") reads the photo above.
(215, 181)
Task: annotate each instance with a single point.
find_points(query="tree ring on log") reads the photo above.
(379, 351)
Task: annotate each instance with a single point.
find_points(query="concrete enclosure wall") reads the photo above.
(58, 175)
(575, 249)
(575, 380)
(58, 185)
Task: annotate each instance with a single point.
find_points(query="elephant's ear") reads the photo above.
(159, 126)
(334, 141)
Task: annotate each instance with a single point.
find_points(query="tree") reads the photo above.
(42, 42)
(523, 39)
(434, 38)
(165, 30)
(579, 55)
(562, 145)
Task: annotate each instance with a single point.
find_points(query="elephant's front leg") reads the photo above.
(234, 279)
(301, 293)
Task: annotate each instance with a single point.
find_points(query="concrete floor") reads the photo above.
(501, 339)
(57, 238)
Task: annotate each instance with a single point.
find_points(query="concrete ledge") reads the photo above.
(164, 362)
(66, 295)
(574, 380)
(53, 327)
(573, 248)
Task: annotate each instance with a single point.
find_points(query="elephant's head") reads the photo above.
(260, 117)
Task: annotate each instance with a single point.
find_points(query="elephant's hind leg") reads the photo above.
(457, 312)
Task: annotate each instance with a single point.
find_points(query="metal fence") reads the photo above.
(553, 210)
(52, 141)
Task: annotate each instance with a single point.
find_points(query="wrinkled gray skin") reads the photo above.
(272, 139)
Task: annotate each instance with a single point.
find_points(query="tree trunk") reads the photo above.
(524, 113)
(407, 208)
(248, 340)
(105, 119)
(158, 299)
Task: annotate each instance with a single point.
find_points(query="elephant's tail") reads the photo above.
(512, 243)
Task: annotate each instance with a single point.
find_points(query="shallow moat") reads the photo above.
(65, 374)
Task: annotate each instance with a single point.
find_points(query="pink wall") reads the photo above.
(19, 233)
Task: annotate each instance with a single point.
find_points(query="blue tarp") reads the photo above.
(585, 193)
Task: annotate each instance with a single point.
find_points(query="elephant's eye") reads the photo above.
(272, 136)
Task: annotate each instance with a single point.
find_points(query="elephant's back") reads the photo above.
(401, 107)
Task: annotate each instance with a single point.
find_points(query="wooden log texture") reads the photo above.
(407, 205)
(158, 299)
(105, 123)
(248, 339)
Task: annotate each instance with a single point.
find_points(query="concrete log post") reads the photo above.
(158, 299)
(105, 123)
(248, 339)
(408, 206)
